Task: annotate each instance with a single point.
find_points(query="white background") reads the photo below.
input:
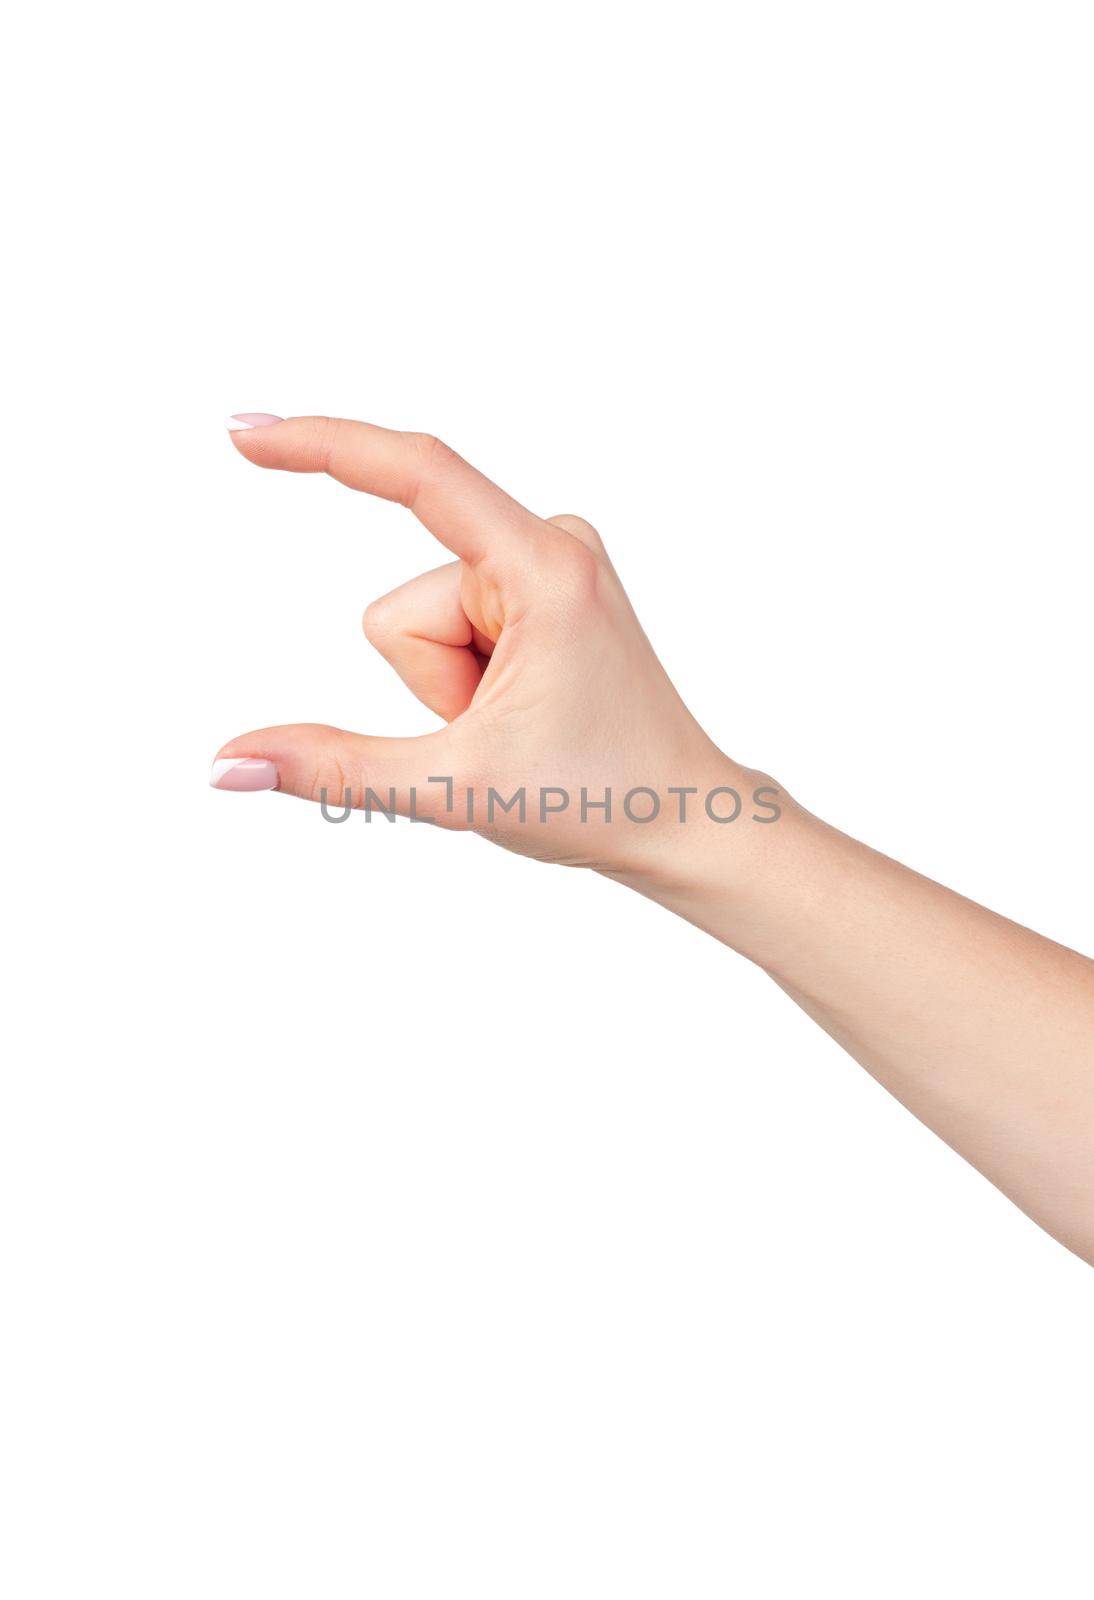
(383, 1215)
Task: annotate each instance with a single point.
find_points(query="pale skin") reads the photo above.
(526, 646)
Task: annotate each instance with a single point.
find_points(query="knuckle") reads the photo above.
(578, 574)
(428, 447)
(581, 530)
(378, 623)
(330, 781)
(431, 458)
(324, 437)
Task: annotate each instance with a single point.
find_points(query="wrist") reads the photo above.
(728, 858)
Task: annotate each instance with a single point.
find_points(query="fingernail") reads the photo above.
(245, 773)
(251, 419)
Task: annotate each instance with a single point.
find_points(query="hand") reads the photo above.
(527, 646)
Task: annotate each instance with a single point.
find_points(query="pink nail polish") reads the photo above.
(243, 773)
(252, 419)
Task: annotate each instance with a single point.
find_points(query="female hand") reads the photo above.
(527, 646)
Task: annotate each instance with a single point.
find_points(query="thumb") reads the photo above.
(413, 777)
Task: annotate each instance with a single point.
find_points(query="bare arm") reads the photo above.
(527, 649)
(980, 1027)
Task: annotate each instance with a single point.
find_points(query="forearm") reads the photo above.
(982, 1028)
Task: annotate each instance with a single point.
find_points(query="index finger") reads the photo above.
(470, 515)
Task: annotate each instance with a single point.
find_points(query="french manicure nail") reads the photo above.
(251, 419)
(243, 773)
